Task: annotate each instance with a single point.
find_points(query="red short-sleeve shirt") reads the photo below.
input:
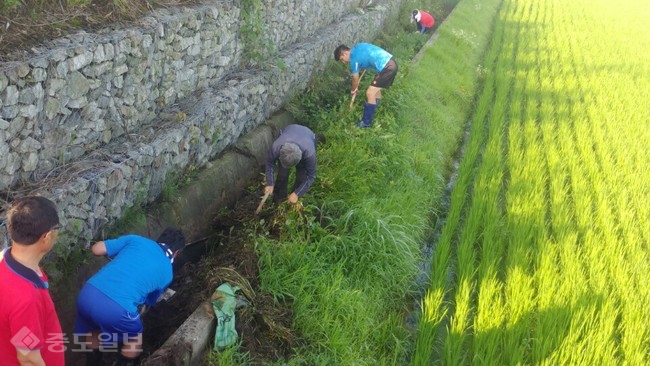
(28, 320)
(427, 19)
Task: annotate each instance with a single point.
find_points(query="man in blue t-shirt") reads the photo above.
(368, 56)
(107, 306)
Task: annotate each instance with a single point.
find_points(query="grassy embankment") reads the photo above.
(549, 222)
(348, 264)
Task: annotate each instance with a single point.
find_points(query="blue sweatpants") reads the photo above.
(96, 311)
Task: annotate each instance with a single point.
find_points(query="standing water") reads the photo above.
(428, 250)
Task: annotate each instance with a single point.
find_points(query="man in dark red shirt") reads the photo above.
(423, 20)
(30, 332)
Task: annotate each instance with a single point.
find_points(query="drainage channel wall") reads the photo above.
(215, 187)
(219, 185)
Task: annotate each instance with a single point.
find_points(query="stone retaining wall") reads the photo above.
(100, 121)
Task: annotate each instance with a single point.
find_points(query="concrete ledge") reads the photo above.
(217, 186)
(224, 181)
(187, 345)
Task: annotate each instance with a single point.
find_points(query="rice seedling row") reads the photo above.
(547, 240)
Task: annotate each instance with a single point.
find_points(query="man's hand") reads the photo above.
(99, 248)
(293, 198)
(268, 189)
(354, 92)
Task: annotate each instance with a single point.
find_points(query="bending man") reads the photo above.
(423, 20)
(108, 303)
(296, 146)
(368, 56)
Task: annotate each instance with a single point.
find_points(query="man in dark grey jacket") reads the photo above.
(296, 146)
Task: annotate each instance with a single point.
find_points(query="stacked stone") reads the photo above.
(101, 121)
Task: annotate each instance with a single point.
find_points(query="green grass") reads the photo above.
(228, 356)
(9, 4)
(348, 263)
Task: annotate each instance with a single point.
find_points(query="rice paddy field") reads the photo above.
(544, 257)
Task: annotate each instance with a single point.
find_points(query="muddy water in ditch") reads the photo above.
(428, 251)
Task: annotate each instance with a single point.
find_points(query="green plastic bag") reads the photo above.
(224, 302)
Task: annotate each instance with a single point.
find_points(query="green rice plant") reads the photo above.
(430, 321)
(545, 196)
(457, 339)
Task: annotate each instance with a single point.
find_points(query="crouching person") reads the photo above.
(423, 20)
(107, 306)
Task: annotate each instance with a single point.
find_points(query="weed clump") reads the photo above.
(26, 24)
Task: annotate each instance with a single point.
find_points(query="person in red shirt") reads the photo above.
(30, 332)
(423, 20)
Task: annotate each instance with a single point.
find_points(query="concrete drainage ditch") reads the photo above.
(189, 342)
(194, 210)
(192, 339)
(239, 165)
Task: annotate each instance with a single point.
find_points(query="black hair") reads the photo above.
(339, 50)
(173, 237)
(30, 217)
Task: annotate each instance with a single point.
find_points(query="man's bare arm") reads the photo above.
(355, 83)
(31, 358)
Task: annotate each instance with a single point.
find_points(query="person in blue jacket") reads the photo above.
(296, 146)
(107, 306)
(368, 56)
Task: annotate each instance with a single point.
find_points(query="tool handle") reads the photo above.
(352, 101)
(259, 207)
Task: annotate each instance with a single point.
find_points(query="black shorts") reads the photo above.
(384, 79)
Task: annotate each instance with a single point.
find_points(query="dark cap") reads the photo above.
(174, 239)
